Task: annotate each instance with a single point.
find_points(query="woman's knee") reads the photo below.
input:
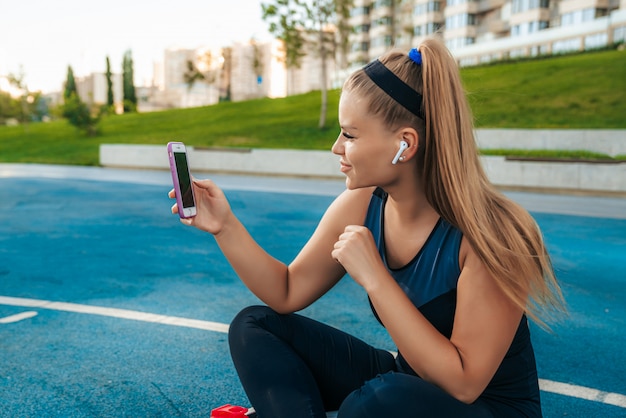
(244, 323)
(247, 315)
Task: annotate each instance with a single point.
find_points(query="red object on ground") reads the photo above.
(229, 411)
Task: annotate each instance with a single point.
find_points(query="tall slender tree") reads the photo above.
(70, 84)
(344, 29)
(108, 74)
(130, 97)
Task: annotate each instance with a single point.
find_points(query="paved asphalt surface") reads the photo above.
(110, 307)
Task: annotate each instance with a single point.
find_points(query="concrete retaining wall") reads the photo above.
(607, 141)
(565, 176)
(572, 177)
(246, 161)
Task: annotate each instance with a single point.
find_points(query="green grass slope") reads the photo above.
(585, 91)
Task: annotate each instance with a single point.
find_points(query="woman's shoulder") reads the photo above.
(351, 206)
(357, 196)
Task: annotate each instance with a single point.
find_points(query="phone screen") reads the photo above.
(182, 171)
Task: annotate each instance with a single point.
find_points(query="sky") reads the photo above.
(44, 37)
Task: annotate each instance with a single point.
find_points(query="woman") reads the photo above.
(451, 266)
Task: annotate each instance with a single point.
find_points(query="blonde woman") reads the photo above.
(452, 268)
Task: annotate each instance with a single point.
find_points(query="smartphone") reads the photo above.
(181, 177)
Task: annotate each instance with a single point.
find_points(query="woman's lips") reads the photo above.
(344, 167)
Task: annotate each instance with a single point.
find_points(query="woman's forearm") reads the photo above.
(264, 275)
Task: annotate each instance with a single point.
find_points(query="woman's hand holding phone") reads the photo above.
(198, 203)
(213, 211)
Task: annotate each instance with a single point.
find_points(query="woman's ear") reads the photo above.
(411, 137)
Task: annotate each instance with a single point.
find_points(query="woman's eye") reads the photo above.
(347, 135)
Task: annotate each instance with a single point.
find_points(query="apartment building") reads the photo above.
(256, 71)
(93, 89)
(478, 31)
(242, 71)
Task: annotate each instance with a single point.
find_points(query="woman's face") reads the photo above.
(365, 146)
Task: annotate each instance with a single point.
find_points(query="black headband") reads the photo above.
(401, 92)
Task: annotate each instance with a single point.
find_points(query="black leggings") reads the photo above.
(294, 367)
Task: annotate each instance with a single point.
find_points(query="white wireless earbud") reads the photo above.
(403, 146)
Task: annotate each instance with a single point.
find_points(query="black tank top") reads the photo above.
(430, 281)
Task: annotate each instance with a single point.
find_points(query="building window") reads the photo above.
(457, 43)
(423, 8)
(383, 21)
(516, 53)
(362, 28)
(382, 3)
(598, 40)
(518, 6)
(360, 11)
(460, 21)
(580, 16)
(382, 41)
(528, 28)
(360, 46)
(619, 34)
(566, 46)
(426, 29)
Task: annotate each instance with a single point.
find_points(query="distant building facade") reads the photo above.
(243, 71)
(256, 71)
(93, 89)
(478, 31)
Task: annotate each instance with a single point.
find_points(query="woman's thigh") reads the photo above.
(338, 362)
(402, 395)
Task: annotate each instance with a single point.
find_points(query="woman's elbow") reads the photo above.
(467, 394)
(467, 398)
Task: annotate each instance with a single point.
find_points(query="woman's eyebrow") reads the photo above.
(350, 127)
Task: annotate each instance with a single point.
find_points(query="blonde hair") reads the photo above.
(504, 235)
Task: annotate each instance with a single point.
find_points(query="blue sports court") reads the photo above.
(110, 307)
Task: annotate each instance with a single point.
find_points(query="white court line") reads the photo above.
(583, 393)
(17, 317)
(565, 389)
(114, 312)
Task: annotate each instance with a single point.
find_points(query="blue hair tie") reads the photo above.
(416, 56)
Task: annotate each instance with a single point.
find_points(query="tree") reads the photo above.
(307, 23)
(20, 84)
(108, 74)
(225, 75)
(204, 67)
(286, 25)
(344, 29)
(79, 115)
(192, 75)
(130, 97)
(257, 59)
(70, 84)
(75, 111)
(10, 108)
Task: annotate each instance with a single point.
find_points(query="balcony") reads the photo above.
(566, 6)
(487, 5)
(498, 26)
(534, 15)
(470, 7)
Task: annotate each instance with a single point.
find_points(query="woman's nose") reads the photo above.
(337, 147)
